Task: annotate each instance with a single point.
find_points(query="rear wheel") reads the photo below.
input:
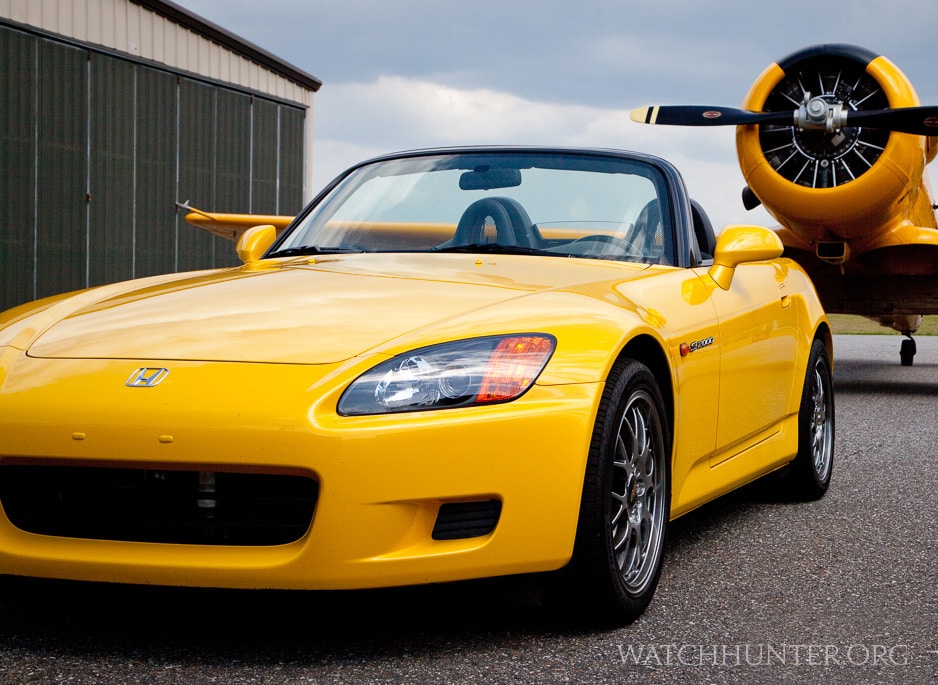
(810, 472)
(626, 501)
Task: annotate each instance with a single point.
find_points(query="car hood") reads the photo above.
(307, 311)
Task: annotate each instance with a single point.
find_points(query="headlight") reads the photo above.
(456, 374)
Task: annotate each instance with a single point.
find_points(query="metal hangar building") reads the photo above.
(111, 112)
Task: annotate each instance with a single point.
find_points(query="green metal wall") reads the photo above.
(18, 159)
(96, 150)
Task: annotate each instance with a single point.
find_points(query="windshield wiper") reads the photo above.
(483, 248)
(313, 250)
(492, 248)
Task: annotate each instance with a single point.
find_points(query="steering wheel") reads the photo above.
(511, 223)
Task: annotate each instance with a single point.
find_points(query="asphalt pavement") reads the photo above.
(755, 589)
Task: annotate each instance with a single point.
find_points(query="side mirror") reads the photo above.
(254, 242)
(740, 244)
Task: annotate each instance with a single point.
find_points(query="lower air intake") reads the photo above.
(152, 505)
(458, 520)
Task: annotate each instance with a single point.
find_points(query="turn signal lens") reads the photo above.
(514, 365)
(456, 374)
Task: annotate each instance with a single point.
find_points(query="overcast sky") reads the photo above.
(402, 74)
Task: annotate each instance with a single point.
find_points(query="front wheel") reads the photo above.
(907, 352)
(626, 501)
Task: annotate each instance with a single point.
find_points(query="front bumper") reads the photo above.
(381, 482)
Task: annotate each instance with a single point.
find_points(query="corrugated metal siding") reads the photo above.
(95, 150)
(154, 213)
(17, 164)
(138, 31)
(112, 154)
(62, 148)
(233, 155)
(196, 249)
(266, 156)
(141, 30)
(292, 160)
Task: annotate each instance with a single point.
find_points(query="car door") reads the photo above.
(758, 344)
(679, 304)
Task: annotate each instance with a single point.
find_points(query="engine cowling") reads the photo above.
(847, 187)
(832, 140)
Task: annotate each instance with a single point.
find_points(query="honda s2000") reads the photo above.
(453, 364)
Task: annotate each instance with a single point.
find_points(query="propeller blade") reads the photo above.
(920, 121)
(696, 115)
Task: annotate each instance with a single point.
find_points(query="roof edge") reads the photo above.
(226, 38)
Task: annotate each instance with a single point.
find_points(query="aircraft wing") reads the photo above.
(232, 226)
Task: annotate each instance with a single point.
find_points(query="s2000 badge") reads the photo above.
(687, 348)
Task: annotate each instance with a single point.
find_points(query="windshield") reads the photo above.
(559, 204)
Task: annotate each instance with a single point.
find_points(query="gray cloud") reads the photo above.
(596, 52)
(417, 73)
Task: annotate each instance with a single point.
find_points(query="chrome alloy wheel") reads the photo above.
(638, 494)
(809, 474)
(821, 421)
(626, 502)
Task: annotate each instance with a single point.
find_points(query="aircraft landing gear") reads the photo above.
(907, 350)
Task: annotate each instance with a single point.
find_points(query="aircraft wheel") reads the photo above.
(907, 352)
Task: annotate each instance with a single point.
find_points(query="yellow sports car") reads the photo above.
(453, 364)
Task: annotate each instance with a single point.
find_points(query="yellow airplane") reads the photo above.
(231, 226)
(833, 142)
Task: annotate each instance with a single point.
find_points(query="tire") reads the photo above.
(810, 473)
(626, 502)
(907, 352)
